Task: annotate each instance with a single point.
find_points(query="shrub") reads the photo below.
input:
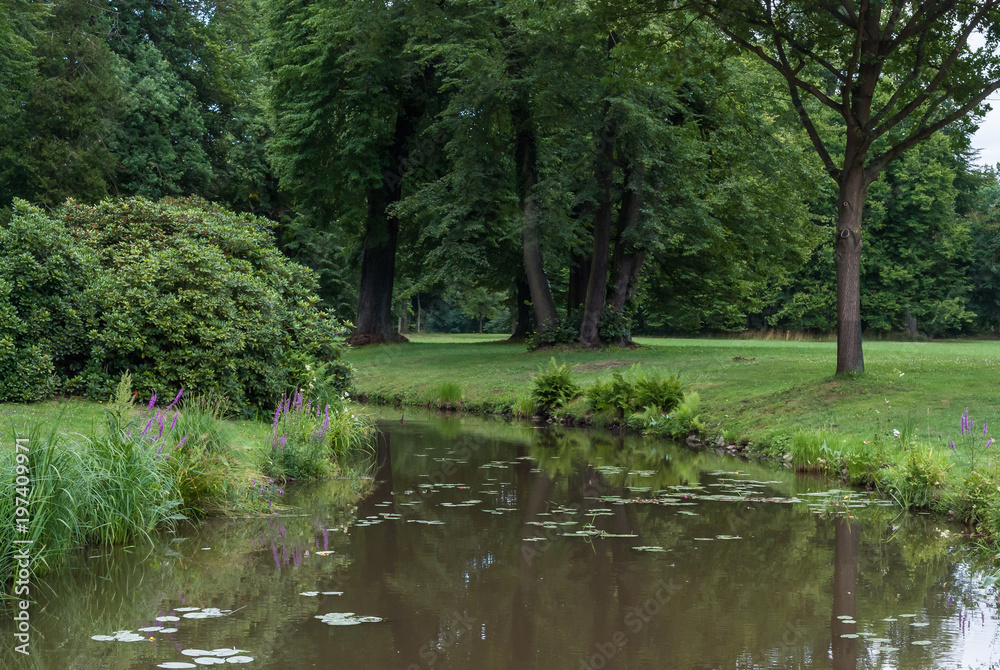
(916, 476)
(553, 386)
(44, 311)
(635, 391)
(681, 422)
(180, 293)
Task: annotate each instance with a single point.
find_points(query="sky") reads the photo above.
(987, 138)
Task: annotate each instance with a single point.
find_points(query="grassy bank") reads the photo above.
(82, 473)
(891, 427)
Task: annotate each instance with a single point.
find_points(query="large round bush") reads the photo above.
(186, 294)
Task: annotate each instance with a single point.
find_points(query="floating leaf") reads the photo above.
(345, 619)
(922, 643)
(176, 664)
(850, 636)
(239, 659)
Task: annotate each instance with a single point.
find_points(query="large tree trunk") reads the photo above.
(597, 287)
(378, 265)
(847, 258)
(523, 312)
(626, 265)
(378, 268)
(525, 154)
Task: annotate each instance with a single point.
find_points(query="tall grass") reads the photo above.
(57, 489)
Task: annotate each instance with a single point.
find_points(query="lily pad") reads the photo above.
(168, 618)
(850, 636)
(176, 664)
(922, 643)
(209, 660)
(239, 659)
(346, 619)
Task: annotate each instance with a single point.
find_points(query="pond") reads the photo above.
(485, 546)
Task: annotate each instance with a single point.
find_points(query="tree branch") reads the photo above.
(877, 164)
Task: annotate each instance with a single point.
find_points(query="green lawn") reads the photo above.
(785, 387)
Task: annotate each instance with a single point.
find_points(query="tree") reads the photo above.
(346, 102)
(59, 146)
(892, 73)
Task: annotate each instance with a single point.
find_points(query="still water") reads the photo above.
(481, 546)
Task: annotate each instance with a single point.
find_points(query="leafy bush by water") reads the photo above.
(307, 440)
(634, 391)
(181, 293)
(553, 386)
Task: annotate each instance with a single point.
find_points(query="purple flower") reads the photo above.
(183, 440)
(953, 445)
(162, 422)
(146, 429)
(965, 423)
(152, 401)
(280, 492)
(277, 415)
(176, 399)
(989, 443)
(282, 442)
(160, 450)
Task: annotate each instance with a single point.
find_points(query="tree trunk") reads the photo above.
(523, 312)
(626, 265)
(597, 287)
(847, 258)
(419, 313)
(404, 318)
(480, 324)
(525, 154)
(579, 278)
(378, 267)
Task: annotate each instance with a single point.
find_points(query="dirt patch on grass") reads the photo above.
(597, 366)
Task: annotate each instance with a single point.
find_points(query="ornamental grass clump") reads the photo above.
(308, 440)
(131, 484)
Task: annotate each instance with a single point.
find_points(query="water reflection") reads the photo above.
(485, 546)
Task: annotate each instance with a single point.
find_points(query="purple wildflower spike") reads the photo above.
(277, 415)
(152, 402)
(326, 419)
(309, 406)
(162, 422)
(990, 443)
(175, 400)
(160, 450)
(174, 422)
(965, 422)
(183, 440)
(952, 445)
(146, 429)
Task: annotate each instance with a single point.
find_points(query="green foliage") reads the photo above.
(684, 420)
(309, 440)
(449, 393)
(634, 391)
(181, 293)
(45, 313)
(553, 386)
(58, 487)
(915, 476)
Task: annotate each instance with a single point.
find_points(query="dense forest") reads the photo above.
(575, 171)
